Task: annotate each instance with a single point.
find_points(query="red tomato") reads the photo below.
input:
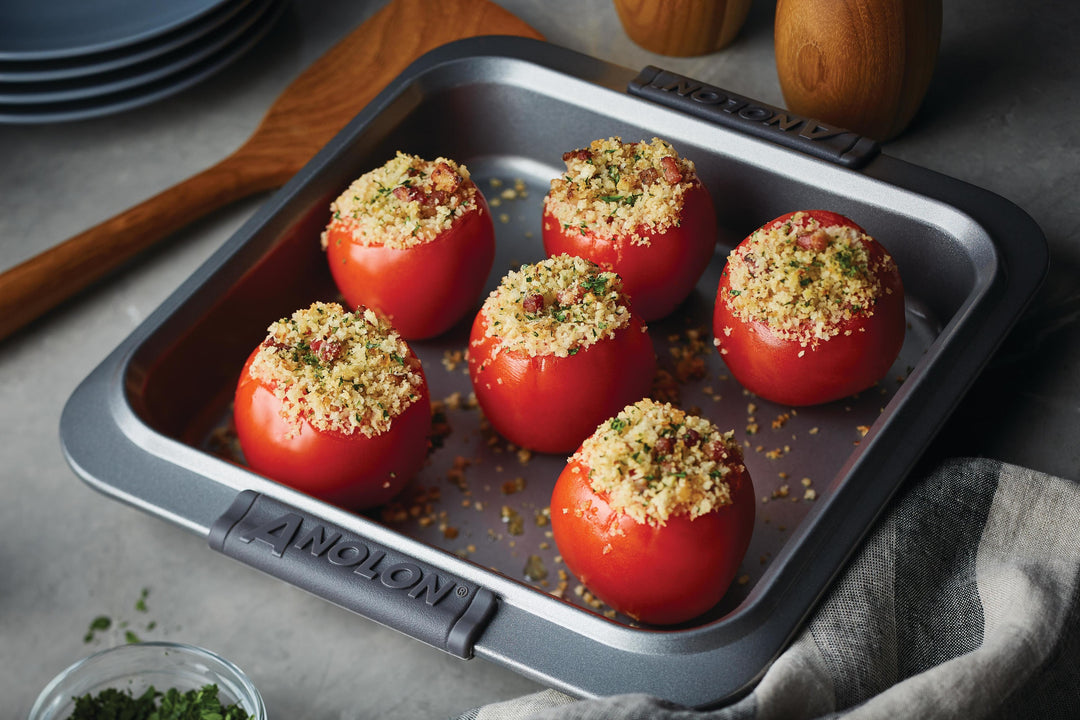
(657, 276)
(660, 575)
(787, 372)
(423, 289)
(353, 470)
(550, 404)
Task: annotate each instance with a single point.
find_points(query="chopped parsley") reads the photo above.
(201, 704)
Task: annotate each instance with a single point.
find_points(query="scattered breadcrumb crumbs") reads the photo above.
(440, 425)
(513, 486)
(407, 202)
(535, 570)
(664, 388)
(512, 518)
(558, 306)
(456, 474)
(653, 461)
(564, 582)
(614, 188)
(804, 280)
(452, 358)
(339, 371)
(862, 430)
(689, 351)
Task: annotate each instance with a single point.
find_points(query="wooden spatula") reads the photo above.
(310, 111)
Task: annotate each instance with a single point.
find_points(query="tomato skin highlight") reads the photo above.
(657, 276)
(770, 366)
(352, 471)
(551, 404)
(657, 575)
(424, 289)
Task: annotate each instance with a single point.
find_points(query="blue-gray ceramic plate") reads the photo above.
(85, 108)
(49, 29)
(33, 71)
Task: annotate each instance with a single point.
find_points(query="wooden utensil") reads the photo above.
(307, 114)
(864, 65)
(682, 28)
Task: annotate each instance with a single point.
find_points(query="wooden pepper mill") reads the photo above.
(682, 27)
(863, 65)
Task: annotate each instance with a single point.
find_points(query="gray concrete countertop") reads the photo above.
(1000, 114)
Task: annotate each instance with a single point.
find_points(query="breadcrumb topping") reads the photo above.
(614, 188)
(341, 371)
(406, 202)
(558, 306)
(804, 280)
(653, 461)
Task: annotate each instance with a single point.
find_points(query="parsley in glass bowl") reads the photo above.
(186, 681)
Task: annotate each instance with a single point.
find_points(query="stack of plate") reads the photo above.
(72, 59)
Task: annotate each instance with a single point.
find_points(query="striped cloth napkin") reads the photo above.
(962, 603)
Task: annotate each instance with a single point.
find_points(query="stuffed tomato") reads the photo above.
(637, 209)
(809, 309)
(654, 513)
(414, 240)
(554, 350)
(334, 404)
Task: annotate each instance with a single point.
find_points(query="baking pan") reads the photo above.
(465, 561)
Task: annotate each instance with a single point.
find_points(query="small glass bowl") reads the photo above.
(137, 666)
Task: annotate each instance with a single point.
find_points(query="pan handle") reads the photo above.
(353, 572)
(777, 125)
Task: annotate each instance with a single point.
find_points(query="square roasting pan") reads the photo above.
(466, 562)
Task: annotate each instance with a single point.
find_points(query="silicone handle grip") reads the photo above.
(377, 582)
(750, 116)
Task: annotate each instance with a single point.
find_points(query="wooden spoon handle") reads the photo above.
(37, 285)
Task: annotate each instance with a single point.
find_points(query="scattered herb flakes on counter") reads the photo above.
(99, 624)
(140, 604)
(105, 624)
(113, 704)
